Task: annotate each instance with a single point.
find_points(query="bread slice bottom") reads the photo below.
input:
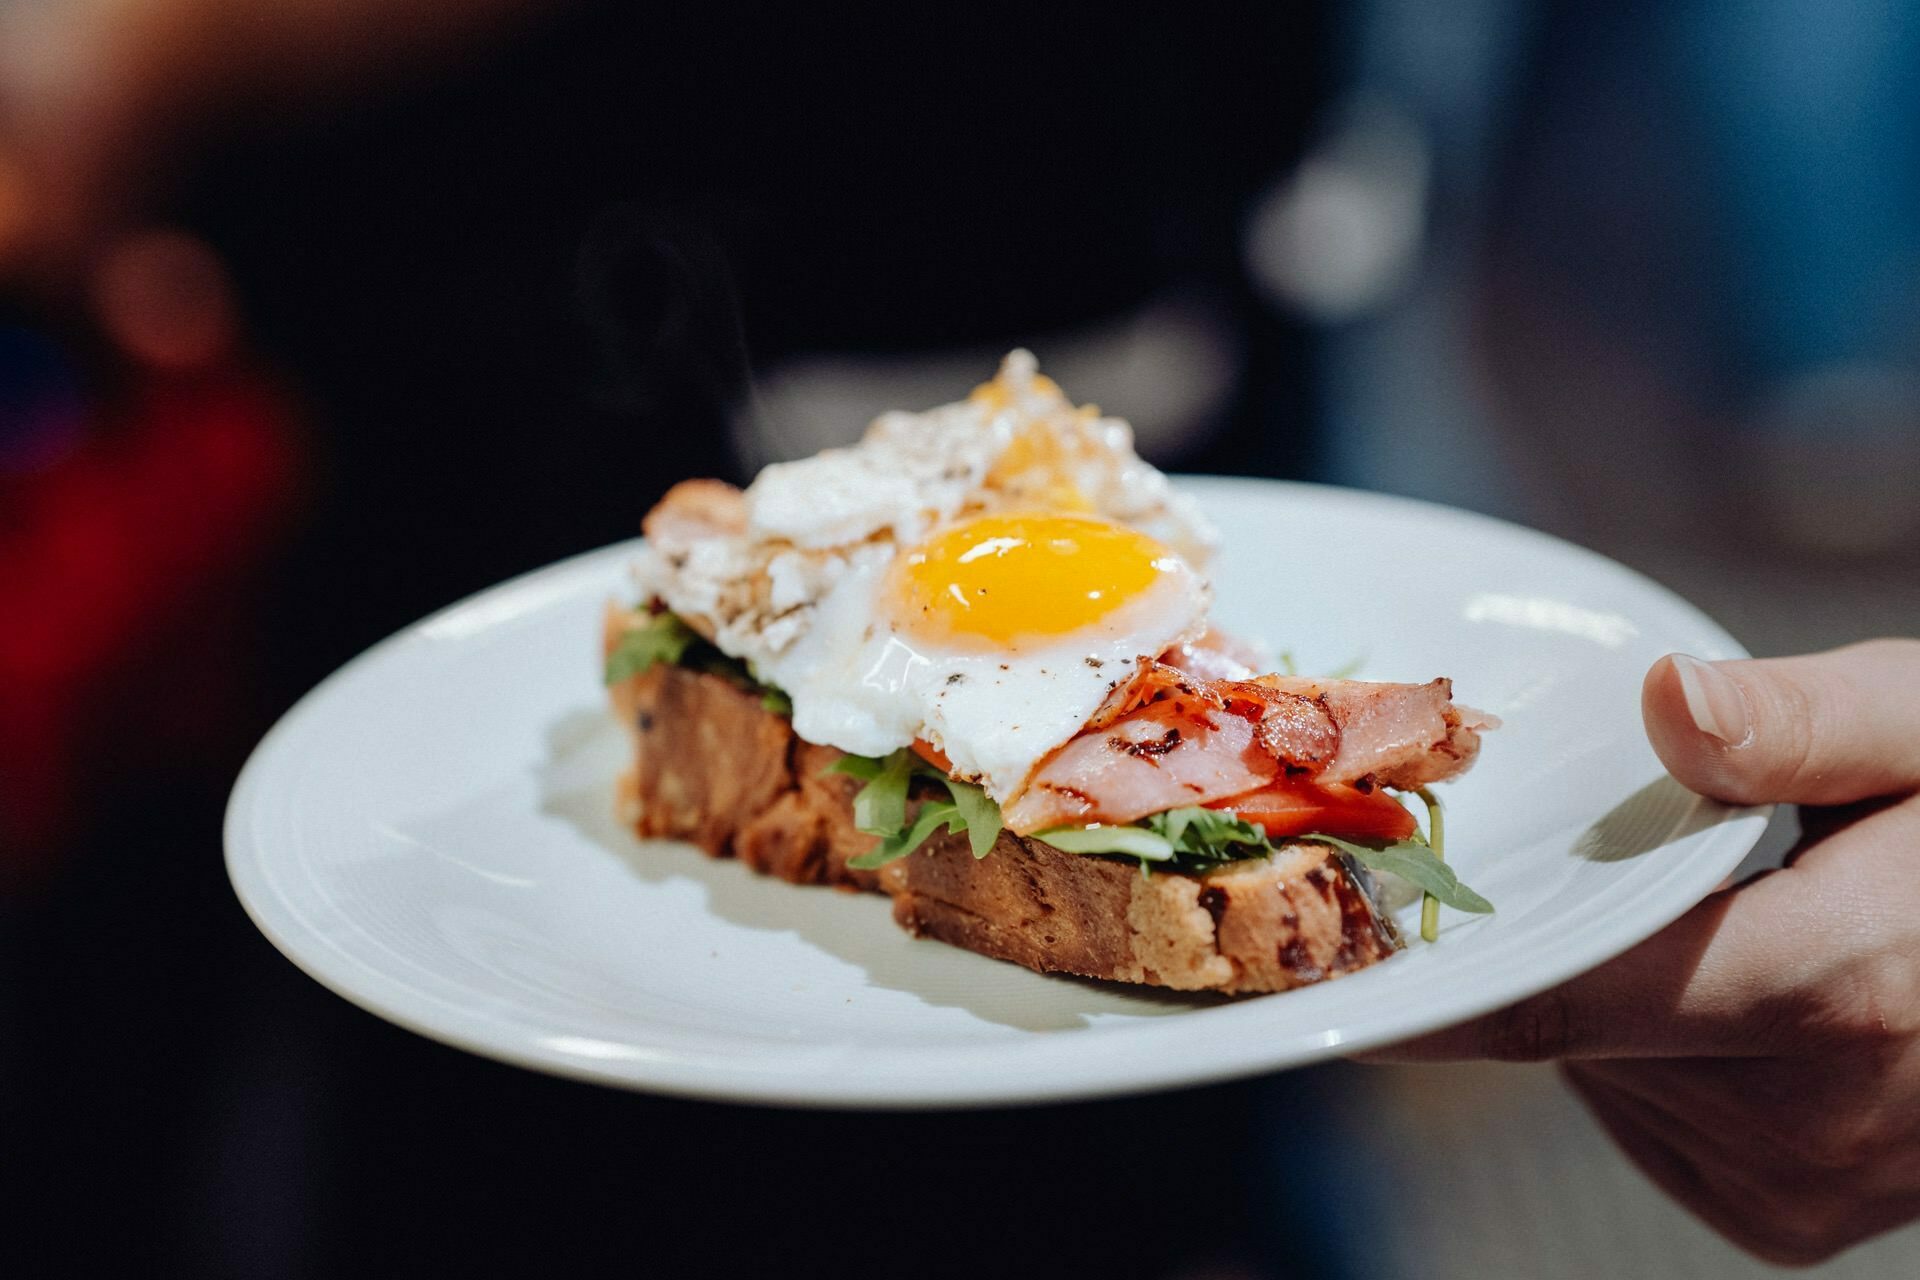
(713, 767)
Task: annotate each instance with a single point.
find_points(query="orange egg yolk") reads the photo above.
(995, 581)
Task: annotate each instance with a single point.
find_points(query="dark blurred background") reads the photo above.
(317, 315)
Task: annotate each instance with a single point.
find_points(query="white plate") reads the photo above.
(429, 833)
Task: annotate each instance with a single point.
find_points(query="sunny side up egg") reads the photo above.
(977, 576)
(994, 640)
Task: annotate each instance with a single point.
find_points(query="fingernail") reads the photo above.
(1715, 702)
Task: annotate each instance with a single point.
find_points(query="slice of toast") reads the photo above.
(1266, 924)
(713, 767)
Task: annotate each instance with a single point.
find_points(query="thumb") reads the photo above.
(1828, 728)
(1711, 983)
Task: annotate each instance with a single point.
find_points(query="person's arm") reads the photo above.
(1760, 1058)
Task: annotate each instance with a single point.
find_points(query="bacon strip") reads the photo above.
(1397, 735)
(1168, 739)
(1161, 756)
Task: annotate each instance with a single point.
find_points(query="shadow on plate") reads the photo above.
(585, 750)
(1659, 814)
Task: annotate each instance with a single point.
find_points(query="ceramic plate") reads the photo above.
(430, 834)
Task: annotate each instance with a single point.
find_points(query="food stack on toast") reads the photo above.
(968, 663)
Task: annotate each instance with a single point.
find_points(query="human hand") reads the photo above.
(1760, 1058)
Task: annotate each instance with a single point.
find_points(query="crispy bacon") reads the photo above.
(1151, 682)
(1298, 731)
(1169, 739)
(1397, 735)
(1163, 755)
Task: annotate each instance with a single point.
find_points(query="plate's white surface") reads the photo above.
(429, 834)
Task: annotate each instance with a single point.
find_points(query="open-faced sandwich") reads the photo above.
(967, 663)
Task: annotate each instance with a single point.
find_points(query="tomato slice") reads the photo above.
(1295, 807)
(932, 755)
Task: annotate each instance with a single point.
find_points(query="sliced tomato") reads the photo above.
(1295, 807)
(932, 755)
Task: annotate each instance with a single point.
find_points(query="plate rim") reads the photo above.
(1687, 880)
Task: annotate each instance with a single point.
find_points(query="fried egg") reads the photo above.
(978, 578)
(994, 640)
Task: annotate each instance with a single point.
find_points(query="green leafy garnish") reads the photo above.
(1189, 838)
(1134, 841)
(864, 767)
(979, 815)
(1204, 836)
(663, 637)
(1422, 862)
(1196, 840)
(1413, 861)
(882, 807)
(900, 843)
(1192, 839)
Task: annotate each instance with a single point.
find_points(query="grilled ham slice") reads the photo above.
(1172, 739)
(1395, 735)
(1161, 756)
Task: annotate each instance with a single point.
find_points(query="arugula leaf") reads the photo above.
(1192, 838)
(662, 638)
(1198, 839)
(881, 806)
(903, 842)
(1210, 835)
(1415, 862)
(1134, 841)
(864, 767)
(979, 814)
(1173, 823)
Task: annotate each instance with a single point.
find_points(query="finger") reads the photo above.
(1713, 1100)
(1642, 1134)
(1716, 982)
(1819, 823)
(1751, 971)
(1828, 728)
(1702, 1179)
(1718, 1138)
(1876, 841)
(1766, 1124)
(1858, 891)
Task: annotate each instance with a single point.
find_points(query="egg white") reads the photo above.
(858, 682)
(800, 591)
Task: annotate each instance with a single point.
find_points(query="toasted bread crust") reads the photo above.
(713, 767)
(1262, 925)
